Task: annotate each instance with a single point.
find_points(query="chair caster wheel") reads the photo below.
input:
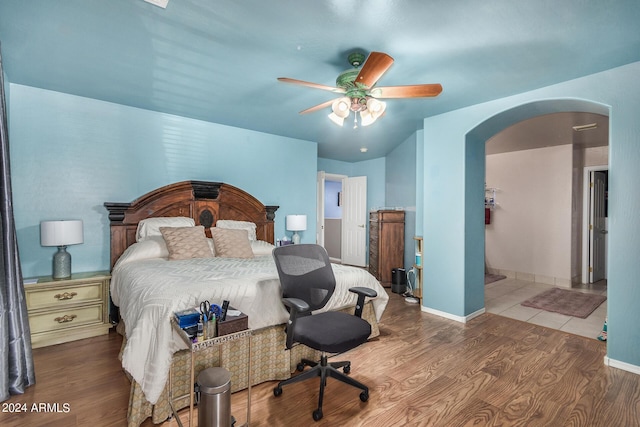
(300, 367)
(364, 396)
(317, 415)
(277, 391)
(346, 369)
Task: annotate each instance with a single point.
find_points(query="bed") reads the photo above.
(152, 278)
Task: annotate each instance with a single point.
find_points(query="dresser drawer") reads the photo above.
(70, 317)
(62, 296)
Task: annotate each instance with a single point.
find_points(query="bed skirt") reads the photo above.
(270, 361)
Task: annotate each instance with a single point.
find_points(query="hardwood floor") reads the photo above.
(423, 370)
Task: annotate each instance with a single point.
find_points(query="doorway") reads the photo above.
(342, 217)
(538, 230)
(333, 219)
(595, 214)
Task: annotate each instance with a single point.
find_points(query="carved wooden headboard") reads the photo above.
(205, 202)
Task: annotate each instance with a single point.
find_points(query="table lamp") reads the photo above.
(61, 234)
(296, 223)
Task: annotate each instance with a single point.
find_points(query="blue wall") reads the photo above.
(452, 165)
(401, 191)
(70, 154)
(420, 182)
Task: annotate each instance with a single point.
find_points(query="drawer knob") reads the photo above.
(66, 318)
(64, 296)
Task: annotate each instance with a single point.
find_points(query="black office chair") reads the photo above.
(308, 282)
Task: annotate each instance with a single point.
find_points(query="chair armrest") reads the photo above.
(362, 293)
(297, 308)
(296, 304)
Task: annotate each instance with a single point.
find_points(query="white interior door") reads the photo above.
(354, 221)
(320, 209)
(597, 227)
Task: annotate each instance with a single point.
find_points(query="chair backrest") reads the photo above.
(305, 273)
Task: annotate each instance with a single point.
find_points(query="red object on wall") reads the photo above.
(487, 216)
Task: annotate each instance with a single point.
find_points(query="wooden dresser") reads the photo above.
(386, 244)
(69, 309)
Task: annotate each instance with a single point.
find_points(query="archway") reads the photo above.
(477, 137)
(454, 175)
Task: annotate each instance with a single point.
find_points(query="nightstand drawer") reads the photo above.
(66, 318)
(66, 310)
(53, 297)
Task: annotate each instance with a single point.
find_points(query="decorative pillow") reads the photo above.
(151, 247)
(186, 242)
(151, 226)
(238, 225)
(231, 243)
(260, 247)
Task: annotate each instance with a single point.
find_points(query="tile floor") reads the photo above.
(504, 297)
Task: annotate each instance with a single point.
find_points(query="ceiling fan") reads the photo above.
(359, 91)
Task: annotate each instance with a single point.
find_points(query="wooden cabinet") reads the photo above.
(386, 243)
(68, 310)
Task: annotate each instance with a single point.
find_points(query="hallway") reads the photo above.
(504, 297)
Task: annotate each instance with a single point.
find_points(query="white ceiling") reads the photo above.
(219, 60)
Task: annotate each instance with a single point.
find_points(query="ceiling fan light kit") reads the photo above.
(360, 95)
(370, 110)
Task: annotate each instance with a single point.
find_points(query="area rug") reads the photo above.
(490, 278)
(563, 301)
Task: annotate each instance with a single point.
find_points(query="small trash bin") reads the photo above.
(398, 280)
(213, 394)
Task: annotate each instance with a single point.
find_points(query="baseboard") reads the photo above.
(622, 365)
(461, 319)
(530, 277)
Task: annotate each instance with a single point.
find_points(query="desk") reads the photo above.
(200, 345)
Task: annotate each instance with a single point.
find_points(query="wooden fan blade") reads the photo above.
(374, 67)
(410, 91)
(317, 107)
(313, 85)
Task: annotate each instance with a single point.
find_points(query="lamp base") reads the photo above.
(62, 264)
(295, 238)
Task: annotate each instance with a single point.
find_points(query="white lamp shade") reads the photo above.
(335, 119)
(375, 107)
(366, 118)
(61, 233)
(341, 106)
(296, 222)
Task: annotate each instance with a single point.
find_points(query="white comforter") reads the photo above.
(148, 292)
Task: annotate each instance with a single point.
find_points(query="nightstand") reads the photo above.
(69, 309)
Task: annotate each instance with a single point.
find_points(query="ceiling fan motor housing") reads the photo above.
(356, 59)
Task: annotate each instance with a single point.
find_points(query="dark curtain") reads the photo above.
(16, 360)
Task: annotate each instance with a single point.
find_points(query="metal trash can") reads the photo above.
(213, 394)
(398, 280)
